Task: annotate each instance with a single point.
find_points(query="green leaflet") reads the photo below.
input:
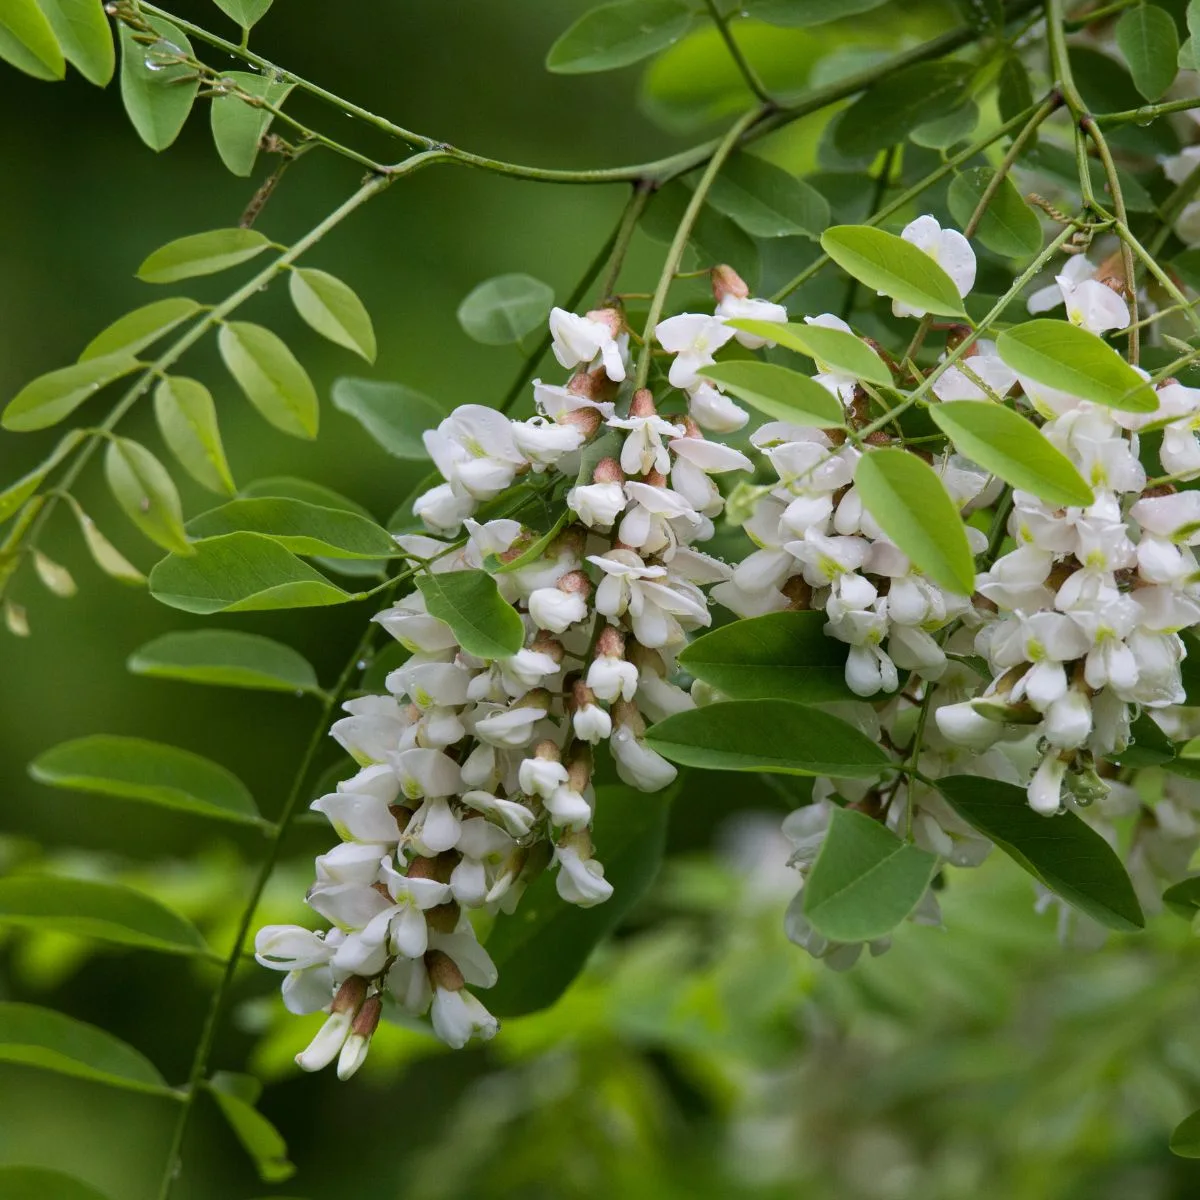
(108, 912)
(53, 396)
(136, 769)
(483, 622)
(394, 415)
(911, 505)
(777, 736)
(158, 93)
(143, 488)
(780, 656)
(779, 392)
(504, 309)
(187, 420)
(1009, 446)
(766, 201)
(1063, 356)
(1063, 852)
(271, 377)
(1009, 226)
(865, 880)
(83, 32)
(333, 310)
(241, 572)
(225, 658)
(138, 329)
(1149, 43)
(41, 1037)
(890, 265)
(615, 35)
(202, 254)
(830, 349)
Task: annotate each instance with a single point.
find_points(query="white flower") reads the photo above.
(543, 443)
(423, 772)
(598, 505)
(305, 956)
(591, 723)
(643, 450)
(580, 879)
(693, 338)
(712, 410)
(558, 403)
(412, 626)
(510, 728)
(376, 727)
(442, 510)
(556, 610)
(359, 809)
(473, 448)
(327, 1043)
(1093, 305)
(458, 1016)
(568, 808)
(515, 818)
(637, 764)
(580, 341)
(962, 381)
(612, 678)
(948, 248)
(747, 308)
(1045, 789)
(1075, 270)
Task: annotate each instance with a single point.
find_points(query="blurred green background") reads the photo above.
(701, 1055)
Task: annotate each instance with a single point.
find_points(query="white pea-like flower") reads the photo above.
(693, 338)
(948, 248)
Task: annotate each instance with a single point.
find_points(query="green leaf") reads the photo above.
(944, 132)
(777, 736)
(302, 528)
(274, 382)
(107, 912)
(1014, 93)
(766, 201)
(1009, 446)
(245, 12)
(504, 309)
(13, 496)
(865, 880)
(615, 35)
(225, 659)
(885, 113)
(830, 349)
(890, 265)
(138, 329)
(241, 572)
(83, 32)
(38, 1183)
(187, 420)
(1060, 355)
(134, 769)
(157, 93)
(1149, 43)
(333, 310)
(1009, 226)
(803, 13)
(542, 947)
(1185, 1138)
(779, 656)
(104, 554)
(202, 254)
(57, 394)
(259, 1138)
(911, 505)
(1183, 898)
(40, 1037)
(238, 126)
(28, 42)
(782, 394)
(483, 622)
(303, 489)
(394, 415)
(144, 489)
(1063, 853)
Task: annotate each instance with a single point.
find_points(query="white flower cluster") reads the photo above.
(476, 774)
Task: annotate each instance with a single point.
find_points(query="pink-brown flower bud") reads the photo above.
(610, 643)
(443, 971)
(575, 583)
(727, 282)
(642, 404)
(350, 995)
(608, 470)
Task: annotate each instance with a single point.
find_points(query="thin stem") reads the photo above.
(1171, 207)
(882, 182)
(215, 316)
(1132, 246)
(613, 251)
(658, 171)
(1147, 113)
(682, 233)
(1118, 199)
(221, 996)
(1051, 103)
(954, 161)
(1100, 14)
(749, 74)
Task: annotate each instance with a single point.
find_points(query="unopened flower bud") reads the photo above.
(611, 318)
(727, 282)
(590, 722)
(354, 1050)
(443, 918)
(443, 971)
(642, 404)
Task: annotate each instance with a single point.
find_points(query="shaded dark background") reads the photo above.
(701, 1055)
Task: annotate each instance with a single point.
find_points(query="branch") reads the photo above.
(749, 74)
